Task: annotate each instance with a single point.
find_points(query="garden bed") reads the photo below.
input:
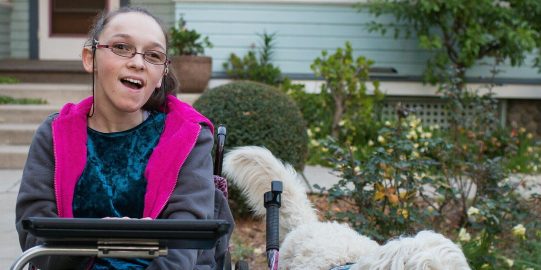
(248, 240)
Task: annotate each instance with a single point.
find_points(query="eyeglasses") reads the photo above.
(128, 50)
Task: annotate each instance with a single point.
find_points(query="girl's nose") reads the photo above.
(137, 61)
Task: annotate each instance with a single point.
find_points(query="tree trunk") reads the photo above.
(337, 117)
(461, 74)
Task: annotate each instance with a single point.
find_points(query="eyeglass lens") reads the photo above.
(128, 50)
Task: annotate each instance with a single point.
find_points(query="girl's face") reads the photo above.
(124, 84)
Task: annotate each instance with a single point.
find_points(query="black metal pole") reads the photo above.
(219, 153)
(273, 201)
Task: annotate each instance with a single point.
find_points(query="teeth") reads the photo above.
(138, 82)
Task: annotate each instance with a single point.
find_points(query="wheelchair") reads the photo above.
(125, 238)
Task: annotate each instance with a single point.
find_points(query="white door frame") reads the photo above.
(59, 48)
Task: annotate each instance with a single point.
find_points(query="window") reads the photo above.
(70, 17)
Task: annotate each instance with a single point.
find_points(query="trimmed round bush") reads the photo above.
(256, 114)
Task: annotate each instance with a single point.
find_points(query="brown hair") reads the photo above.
(169, 83)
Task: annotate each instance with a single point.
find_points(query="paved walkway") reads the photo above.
(9, 243)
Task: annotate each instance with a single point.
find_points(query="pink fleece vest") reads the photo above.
(182, 128)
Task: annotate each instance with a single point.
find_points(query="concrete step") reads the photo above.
(54, 94)
(37, 113)
(45, 71)
(19, 122)
(25, 113)
(59, 94)
(13, 156)
(17, 134)
(188, 98)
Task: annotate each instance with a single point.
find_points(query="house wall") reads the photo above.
(19, 40)
(305, 28)
(164, 9)
(302, 32)
(5, 16)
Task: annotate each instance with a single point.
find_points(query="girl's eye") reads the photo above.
(155, 57)
(122, 47)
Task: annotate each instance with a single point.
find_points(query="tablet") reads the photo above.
(174, 233)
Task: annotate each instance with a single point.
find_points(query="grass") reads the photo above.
(8, 80)
(11, 100)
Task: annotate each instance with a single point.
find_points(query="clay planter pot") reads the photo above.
(193, 72)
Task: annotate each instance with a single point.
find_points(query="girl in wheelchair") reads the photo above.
(131, 150)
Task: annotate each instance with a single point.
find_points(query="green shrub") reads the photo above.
(418, 177)
(346, 80)
(255, 65)
(523, 151)
(257, 114)
(387, 189)
(344, 108)
(187, 42)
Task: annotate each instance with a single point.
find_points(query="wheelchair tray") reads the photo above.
(173, 233)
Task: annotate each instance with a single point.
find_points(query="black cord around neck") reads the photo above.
(92, 109)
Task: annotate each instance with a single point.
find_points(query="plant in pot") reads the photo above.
(193, 70)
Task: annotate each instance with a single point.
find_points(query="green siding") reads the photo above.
(164, 9)
(303, 31)
(19, 29)
(5, 13)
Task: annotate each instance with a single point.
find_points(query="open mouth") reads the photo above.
(132, 83)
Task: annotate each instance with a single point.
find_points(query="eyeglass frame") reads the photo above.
(96, 44)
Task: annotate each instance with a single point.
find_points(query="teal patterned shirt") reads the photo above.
(113, 183)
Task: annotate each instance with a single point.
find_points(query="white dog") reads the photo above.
(311, 244)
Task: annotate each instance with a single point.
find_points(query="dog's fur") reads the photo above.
(311, 244)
